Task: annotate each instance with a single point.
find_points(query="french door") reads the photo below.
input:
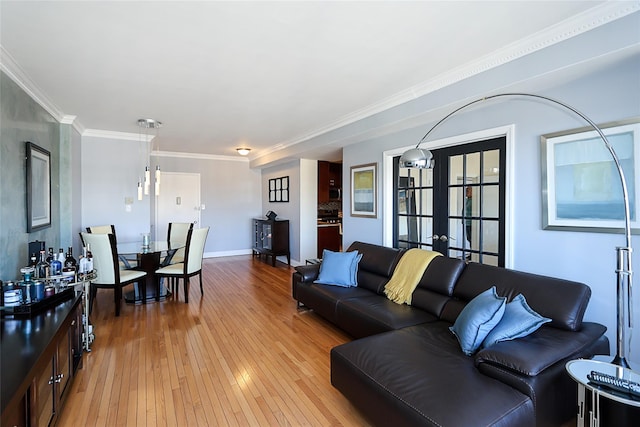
(457, 208)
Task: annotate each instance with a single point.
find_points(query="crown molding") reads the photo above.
(110, 134)
(11, 68)
(198, 156)
(571, 27)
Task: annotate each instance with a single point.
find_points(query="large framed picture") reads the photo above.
(363, 191)
(581, 186)
(38, 192)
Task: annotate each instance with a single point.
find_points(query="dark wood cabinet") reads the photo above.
(39, 358)
(329, 181)
(329, 237)
(271, 238)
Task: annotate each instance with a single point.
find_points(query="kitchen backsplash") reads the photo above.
(330, 206)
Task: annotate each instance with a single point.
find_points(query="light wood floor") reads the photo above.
(241, 355)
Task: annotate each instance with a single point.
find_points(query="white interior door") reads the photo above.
(179, 201)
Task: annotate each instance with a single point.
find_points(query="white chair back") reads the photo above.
(101, 229)
(196, 249)
(104, 259)
(177, 237)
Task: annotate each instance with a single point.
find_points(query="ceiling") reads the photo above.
(265, 75)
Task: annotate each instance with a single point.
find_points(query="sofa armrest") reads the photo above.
(308, 273)
(535, 353)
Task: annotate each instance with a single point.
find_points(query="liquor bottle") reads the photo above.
(42, 267)
(89, 259)
(34, 260)
(61, 256)
(83, 262)
(50, 256)
(55, 266)
(70, 261)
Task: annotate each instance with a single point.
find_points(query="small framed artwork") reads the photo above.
(581, 186)
(38, 192)
(363, 191)
(279, 189)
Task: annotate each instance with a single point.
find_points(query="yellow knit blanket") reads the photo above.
(407, 274)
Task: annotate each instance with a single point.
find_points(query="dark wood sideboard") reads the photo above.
(40, 356)
(271, 238)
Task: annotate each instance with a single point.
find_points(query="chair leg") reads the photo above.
(200, 275)
(186, 289)
(117, 296)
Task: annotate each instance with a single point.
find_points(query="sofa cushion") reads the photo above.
(324, 299)
(376, 266)
(519, 320)
(436, 286)
(477, 319)
(364, 316)
(339, 268)
(549, 345)
(418, 376)
(565, 308)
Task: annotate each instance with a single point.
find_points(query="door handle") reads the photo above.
(445, 238)
(435, 237)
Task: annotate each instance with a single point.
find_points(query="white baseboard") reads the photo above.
(219, 254)
(227, 253)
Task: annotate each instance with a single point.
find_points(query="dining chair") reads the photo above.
(177, 238)
(192, 264)
(111, 229)
(108, 272)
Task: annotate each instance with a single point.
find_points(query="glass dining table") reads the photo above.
(149, 258)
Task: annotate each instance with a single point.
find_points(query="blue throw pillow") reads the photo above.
(519, 320)
(477, 319)
(339, 268)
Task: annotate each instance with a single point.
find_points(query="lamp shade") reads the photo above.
(417, 158)
(243, 151)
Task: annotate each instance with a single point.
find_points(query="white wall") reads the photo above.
(110, 173)
(285, 210)
(308, 209)
(231, 193)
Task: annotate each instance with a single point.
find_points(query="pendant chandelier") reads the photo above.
(143, 186)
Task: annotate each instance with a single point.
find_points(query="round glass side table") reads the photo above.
(579, 369)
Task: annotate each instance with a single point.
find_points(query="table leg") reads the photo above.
(581, 405)
(594, 414)
(149, 263)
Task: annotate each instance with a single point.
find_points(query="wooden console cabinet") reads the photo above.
(271, 238)
(39, 358)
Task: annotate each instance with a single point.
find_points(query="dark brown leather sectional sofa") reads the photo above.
(406, 368)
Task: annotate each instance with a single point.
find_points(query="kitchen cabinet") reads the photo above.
(329, 237)
(271, 238)
(39, 358)
(329, 181)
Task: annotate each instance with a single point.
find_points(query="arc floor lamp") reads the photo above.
(423, 159)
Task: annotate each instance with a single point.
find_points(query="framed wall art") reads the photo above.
(581, 187)
(38, 192)
(279, 189)
(363, 191)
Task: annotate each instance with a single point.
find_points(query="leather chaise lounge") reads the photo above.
(405, 367)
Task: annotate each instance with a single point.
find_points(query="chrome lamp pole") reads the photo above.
(423, 159)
